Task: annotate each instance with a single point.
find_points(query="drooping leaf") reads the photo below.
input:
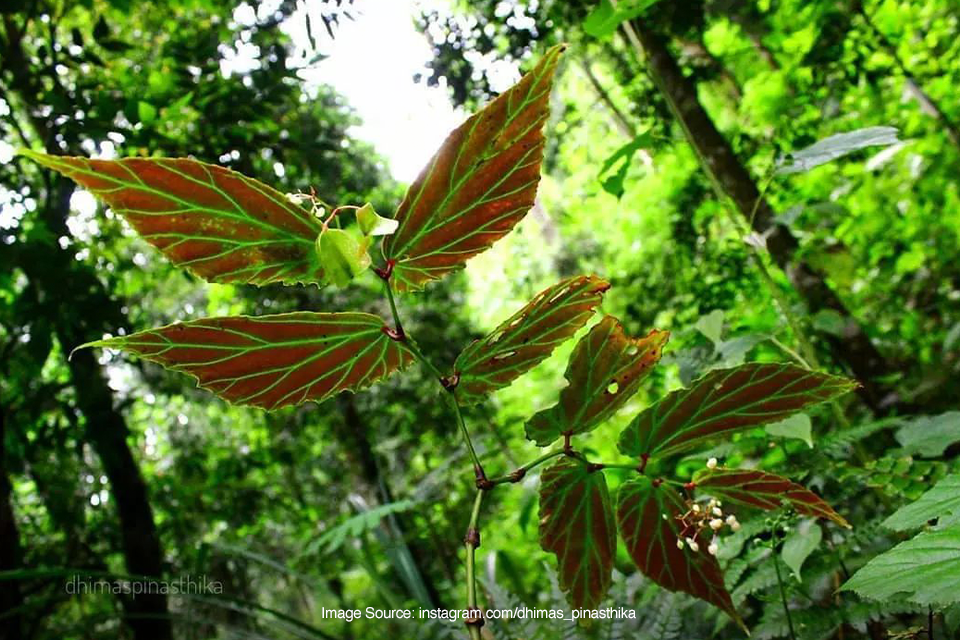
(942, 503)
(799, 544)
(342, 256)
(837, 146)
(605, 370)
(272, 361)
(577, 525)
(796, 426)
(648, 520)
(924, 569)
(755, 488)
(478, 185)
(373, 224)
(218, 224)
(929, 436)
(527, 337)
(605, 18)
(725, 401)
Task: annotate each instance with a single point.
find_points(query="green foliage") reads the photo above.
(797, 426)
(799, 544)
(941, 503)
(929, 436)
(924, 570)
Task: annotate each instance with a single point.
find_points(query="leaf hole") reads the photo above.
(613, 387)
(633, 350)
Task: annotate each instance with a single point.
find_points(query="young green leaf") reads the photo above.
(218, 224)
(648, 517)
(763, 490)
(342, 256)
(480, 183)
(799, 544)
(604, 371)
(373, 224)
(577, 525)
(929, 436)
(725, 401)
(527, 337)
(942, 503)
(272, 361)
(924, 569)
(796, 426)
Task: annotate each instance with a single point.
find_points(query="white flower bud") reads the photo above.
(735, 526)
(731, 519)
(716, 523)
(679, 543)
(696, 508)
(694, 546)
(712, 463)
(713, 548)
(717, 512)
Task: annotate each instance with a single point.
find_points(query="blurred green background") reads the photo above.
(111, 466)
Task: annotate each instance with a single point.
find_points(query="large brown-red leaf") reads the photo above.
(605, 370)
(219, 224)
(527, 337)
(647, 516)
(480, 183)
(764, 490)
(725, 401)
(577, 525)
(272, 361)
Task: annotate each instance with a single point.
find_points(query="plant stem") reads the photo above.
(477, 467)
(518, 474)
(471, 542)
(783, 595)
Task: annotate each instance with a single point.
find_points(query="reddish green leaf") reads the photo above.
(647, 516)
(480, 183)
(725, 401)
(527, 337)
(577, 525)
(763, 490)
(272, 361)
(219, 224)
(604, 371)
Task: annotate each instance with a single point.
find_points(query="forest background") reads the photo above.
(659, 148)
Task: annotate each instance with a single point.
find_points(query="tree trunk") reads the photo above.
(66, 289)
(854, 350)
(11, 599)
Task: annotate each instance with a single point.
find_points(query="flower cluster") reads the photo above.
(706, 518)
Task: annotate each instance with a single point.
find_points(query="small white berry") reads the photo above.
(679, 543)
(694, 547)
(712, 463)
(696, 508)
(735, 526)
(731, 519)
(717, 512)
(716, 523)
(712, 549)
(719, 504)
